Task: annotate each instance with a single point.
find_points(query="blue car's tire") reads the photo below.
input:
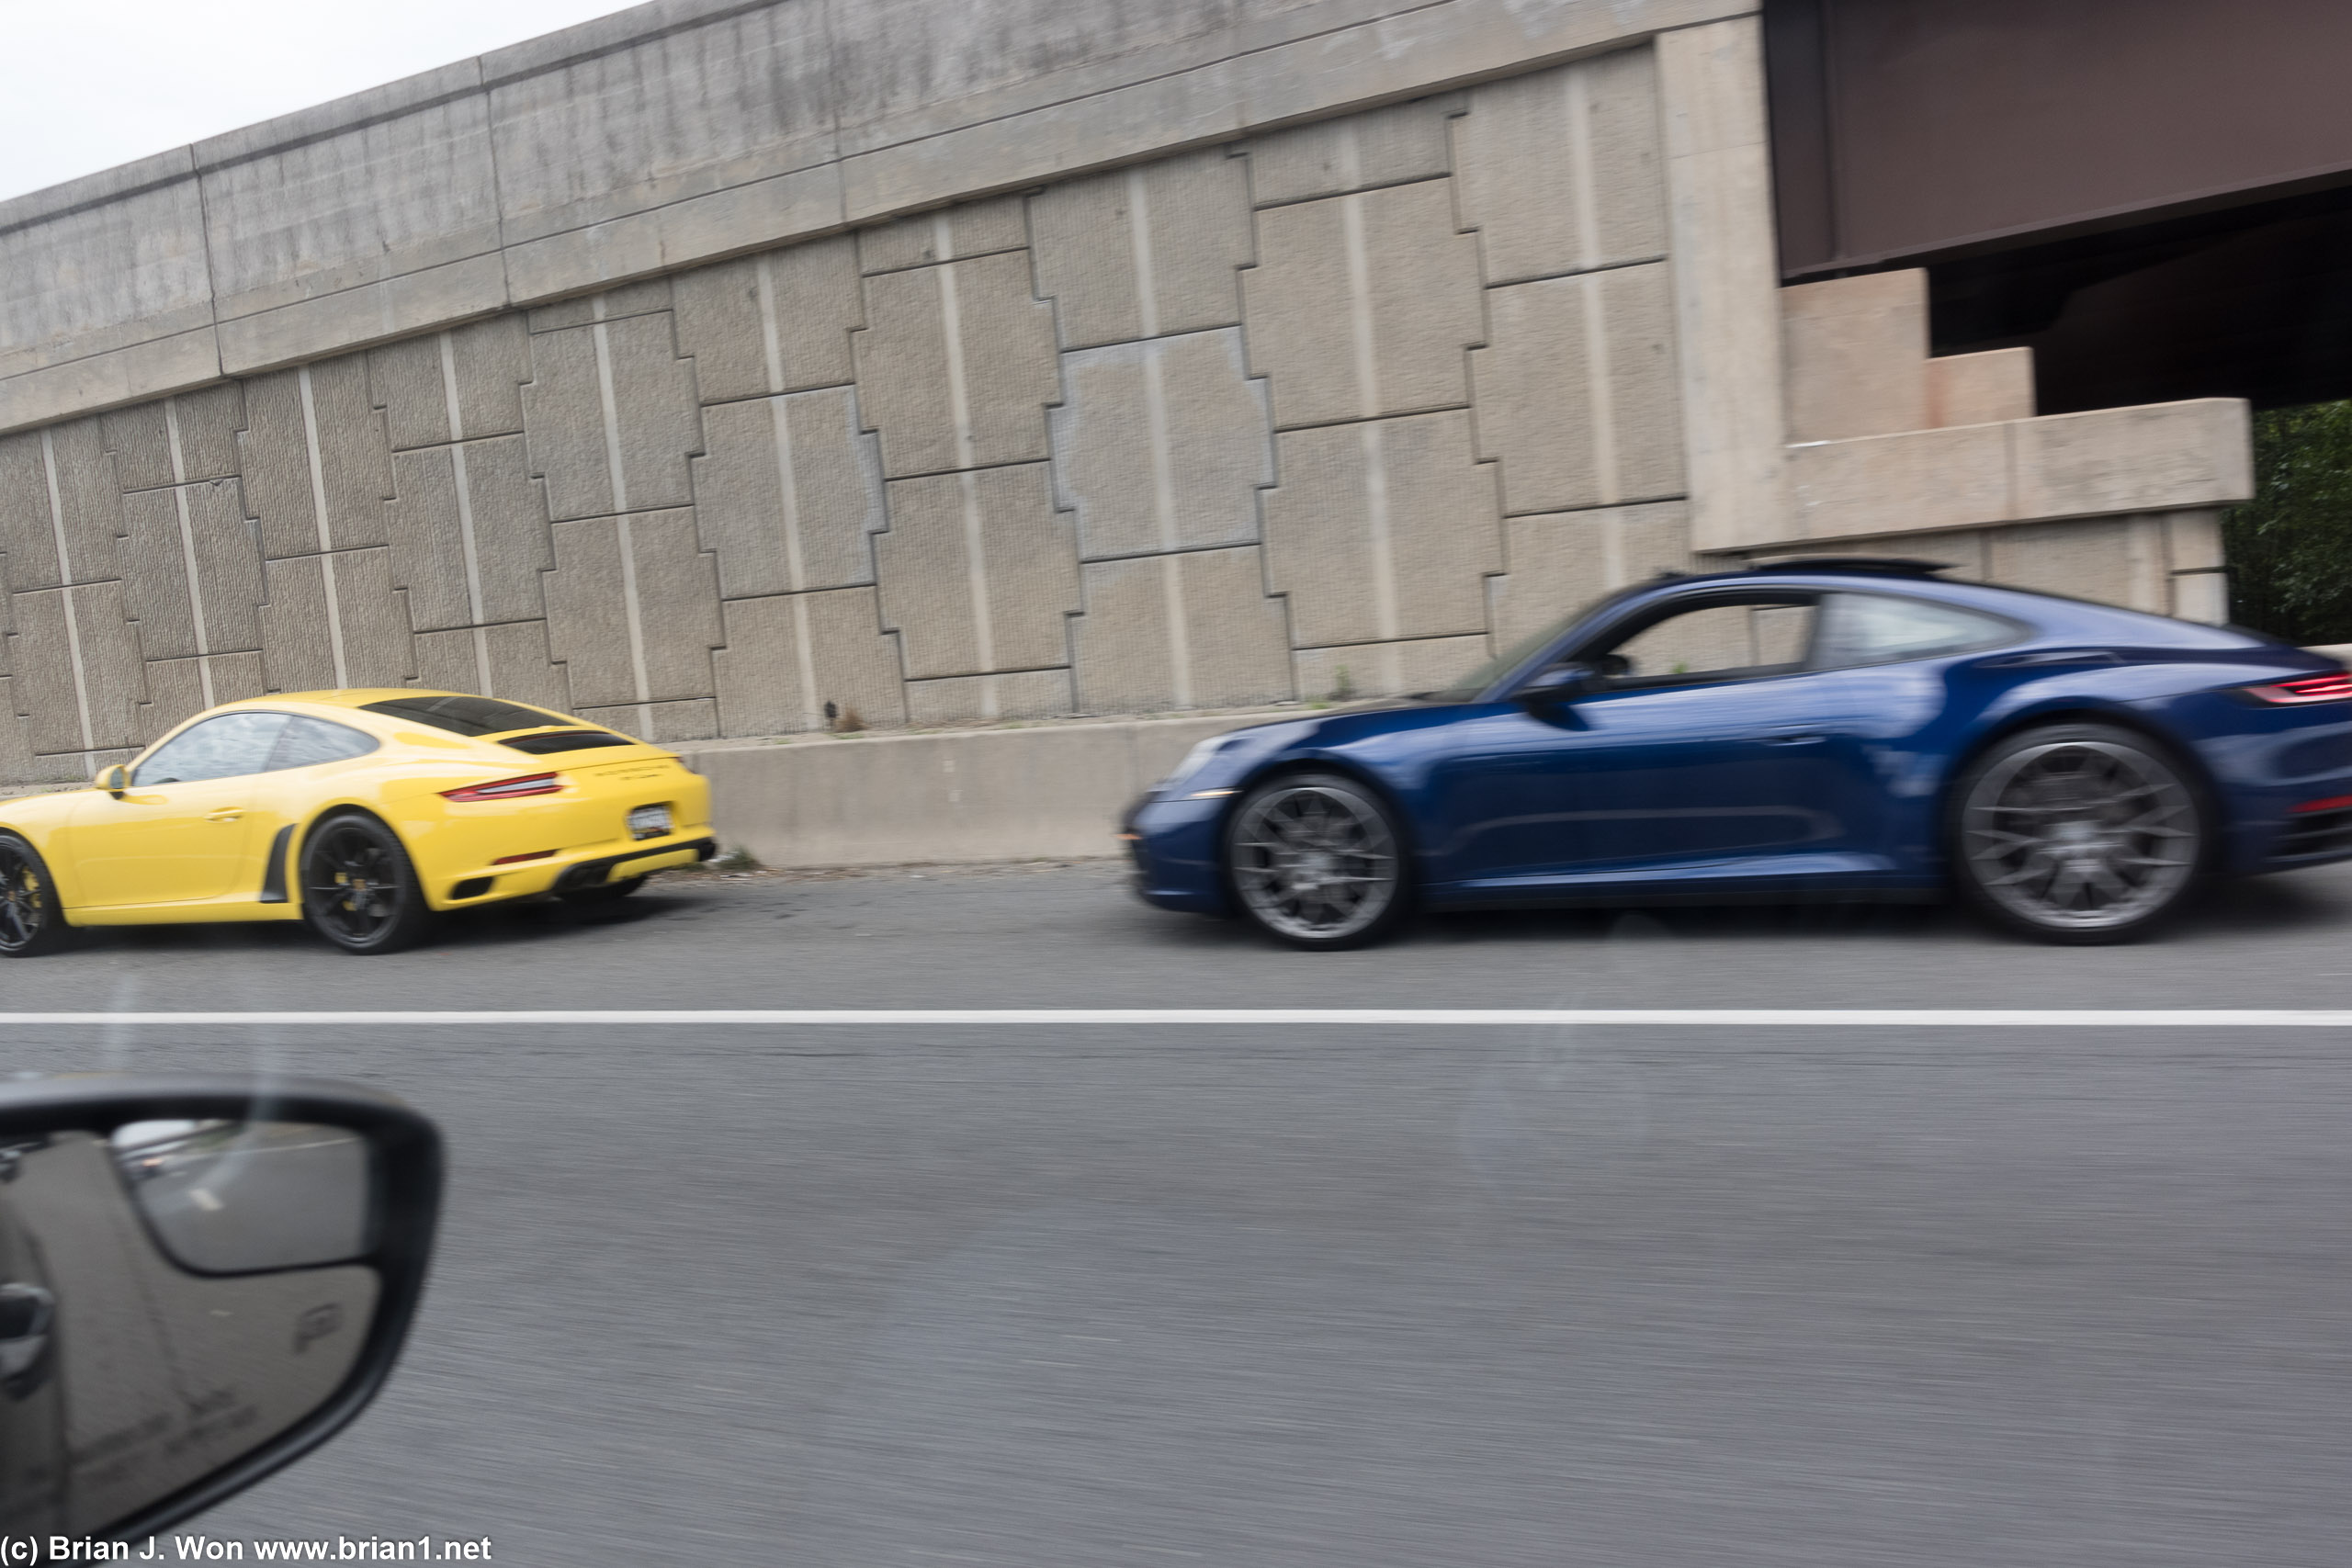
(1318, 862)
(2077, 833)
(31, 919)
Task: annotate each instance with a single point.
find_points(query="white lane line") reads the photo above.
(1442, 1018)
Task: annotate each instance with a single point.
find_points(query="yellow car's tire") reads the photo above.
(359, 891)
(32, 921)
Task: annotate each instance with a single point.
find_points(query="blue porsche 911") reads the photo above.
(1846, 728)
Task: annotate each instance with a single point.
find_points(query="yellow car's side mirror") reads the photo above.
(114, 780)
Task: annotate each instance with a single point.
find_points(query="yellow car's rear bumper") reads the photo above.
(571, 870)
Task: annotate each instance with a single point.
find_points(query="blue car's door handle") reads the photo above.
(1795, 738)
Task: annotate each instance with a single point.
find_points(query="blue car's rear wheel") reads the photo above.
(30, 919)
(359, 890)
(2077, 833)
(1316, 859)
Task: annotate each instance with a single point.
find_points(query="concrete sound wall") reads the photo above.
(1328, 406)
(970, 360)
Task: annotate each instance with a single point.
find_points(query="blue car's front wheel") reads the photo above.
(1316, 860)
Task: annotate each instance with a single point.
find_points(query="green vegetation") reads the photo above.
(2290, 549)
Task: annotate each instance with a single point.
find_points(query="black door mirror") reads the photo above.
(1559, 684)
(200, 1279)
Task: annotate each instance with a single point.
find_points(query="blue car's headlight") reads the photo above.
(1194, 760)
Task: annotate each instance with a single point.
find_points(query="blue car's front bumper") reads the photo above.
(1174, 846)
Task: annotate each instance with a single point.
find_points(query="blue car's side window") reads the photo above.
(1881, 628)
(1719, 638)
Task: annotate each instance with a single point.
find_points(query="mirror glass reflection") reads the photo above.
(171, 1298)
(231, 1198)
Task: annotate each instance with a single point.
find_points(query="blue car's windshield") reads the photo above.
(1493, 670)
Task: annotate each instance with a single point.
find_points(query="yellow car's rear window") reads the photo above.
(466, 715)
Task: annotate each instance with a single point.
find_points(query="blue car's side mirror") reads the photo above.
(1559, 684)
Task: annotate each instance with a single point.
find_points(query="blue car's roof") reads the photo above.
(2048, 618)
(2050, 614)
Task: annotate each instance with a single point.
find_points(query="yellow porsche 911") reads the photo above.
(361, 812)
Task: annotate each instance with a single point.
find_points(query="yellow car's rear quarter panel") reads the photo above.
(452, 842)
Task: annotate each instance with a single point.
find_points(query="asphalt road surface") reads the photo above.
(1097, 1295)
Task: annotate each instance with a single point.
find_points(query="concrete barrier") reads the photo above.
(1051, 792)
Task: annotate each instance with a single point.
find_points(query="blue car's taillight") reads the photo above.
(2303, 689)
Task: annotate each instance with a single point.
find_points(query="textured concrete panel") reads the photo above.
(2202, 596)
(2193, 540)
(1189, 630)
(970, 229)
(1981, 388)
(963, 397)
(2154, 458)
(314, 435)
(1383, 531)
(633, 609)
(509, 660)
(1385, 147)
(469, 534)
(611, 417)
(175, 440)
(27, 538)
(647, 297)
(201, 527)
(182, 688)
(664, 724)
(80, 692)
(453, 386)
(1885, 484)
(16, 763)
(323, 214)
(1562, 170)
(785, 658)
(178, 363)
(978, 572)
(1162, 444)
(1386, 669)
(789, 494)
(2117, 559)
(1856, 349)
(1577, 394)
(1362, 305)
(586, 134)
(398, 307)
(1027, 693)
(778, 322)
(1562, 562)
(1727, 282)
(1144, 250)
(103, 264)
(58, 492)
(333, 621)
(756, 215)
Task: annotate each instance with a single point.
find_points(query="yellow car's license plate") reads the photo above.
(648, 822)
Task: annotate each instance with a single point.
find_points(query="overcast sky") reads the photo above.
(98, 83)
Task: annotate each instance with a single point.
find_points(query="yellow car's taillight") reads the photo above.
(507, 789)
